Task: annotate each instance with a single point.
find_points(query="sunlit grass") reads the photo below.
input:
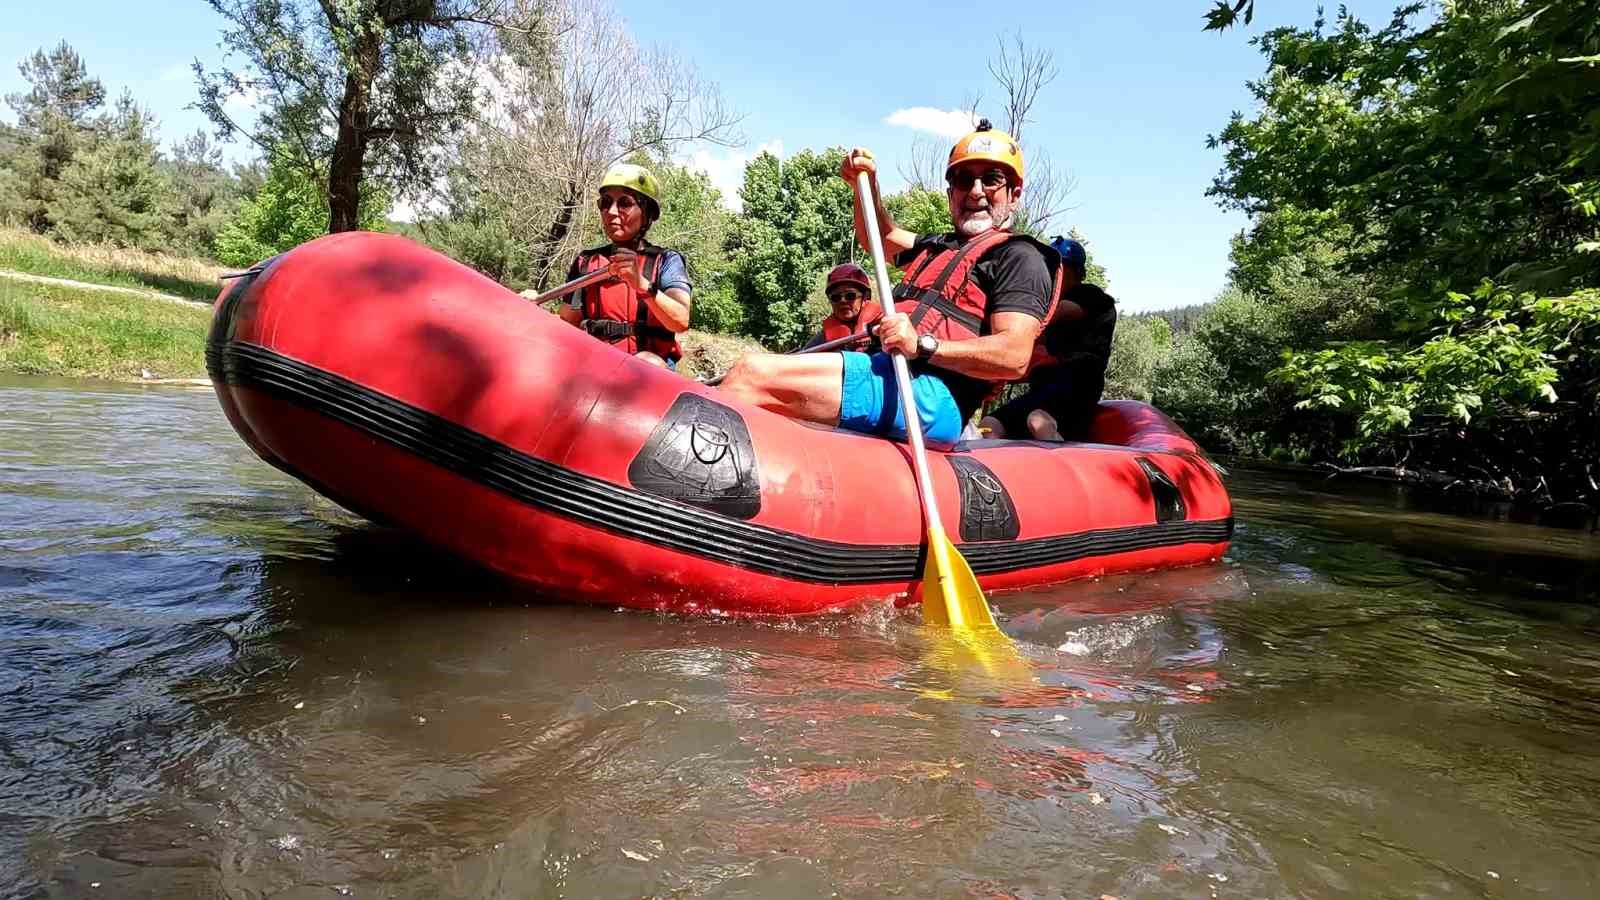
(49, 330)
(192, 277)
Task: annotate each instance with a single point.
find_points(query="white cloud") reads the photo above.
(950, 123)
(725, 168)
(176, 72)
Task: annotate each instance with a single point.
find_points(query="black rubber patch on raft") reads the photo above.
(700, 454)
(637, 516)
(987, 513)
(1169, 500)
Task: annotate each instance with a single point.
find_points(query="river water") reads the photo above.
(214, 683)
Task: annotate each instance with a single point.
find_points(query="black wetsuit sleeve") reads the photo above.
(1086, 340)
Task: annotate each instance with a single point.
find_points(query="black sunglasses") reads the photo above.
(993, 180)
(623, 202)
(845, 296)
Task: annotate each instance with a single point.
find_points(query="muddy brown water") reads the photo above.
(215, 684)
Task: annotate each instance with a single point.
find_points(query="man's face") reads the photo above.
(846, 301)
(982, 196)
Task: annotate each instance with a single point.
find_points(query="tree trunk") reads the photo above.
(558, 231)
(350, 148)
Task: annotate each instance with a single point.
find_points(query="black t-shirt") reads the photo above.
(1014, 278)
(1083, 345)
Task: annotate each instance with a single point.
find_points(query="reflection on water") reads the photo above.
(215, 683)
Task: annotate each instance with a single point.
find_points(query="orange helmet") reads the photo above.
(986, 143)
(849, 273)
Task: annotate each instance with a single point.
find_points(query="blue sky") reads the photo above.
(1140, 88)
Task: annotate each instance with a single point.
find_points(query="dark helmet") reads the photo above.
(1072, 253)
(849, 273)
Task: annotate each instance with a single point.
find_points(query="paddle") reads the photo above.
(950, 592)
(823, 347)
(576, 284)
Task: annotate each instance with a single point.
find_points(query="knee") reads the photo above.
(747, 375)
(651, 358)
(991, 427)
(1041, 425)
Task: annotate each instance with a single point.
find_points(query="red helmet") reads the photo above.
(848, 273)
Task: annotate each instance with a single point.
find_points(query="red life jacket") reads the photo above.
(833, 329)
(944, 300)
(614, 312)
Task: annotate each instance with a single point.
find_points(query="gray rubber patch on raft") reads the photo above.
(987, 513)
(701, 454)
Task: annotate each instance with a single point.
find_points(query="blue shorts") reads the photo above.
(869, 401)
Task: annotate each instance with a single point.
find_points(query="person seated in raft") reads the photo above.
(970, 305)
(645, 306)
(1068, 371)
(850, 297)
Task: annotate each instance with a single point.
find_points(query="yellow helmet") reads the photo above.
(985, 143)
(634, 178)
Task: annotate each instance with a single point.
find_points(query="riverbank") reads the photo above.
(85, 331)
(191, 278)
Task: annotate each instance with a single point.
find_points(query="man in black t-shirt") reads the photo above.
(1068, 370)
(967, 311)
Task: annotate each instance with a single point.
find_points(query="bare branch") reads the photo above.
(563, 102)
(1021, 72)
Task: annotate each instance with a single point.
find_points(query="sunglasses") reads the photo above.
(993, 180)
(845, 296)
(622, 202)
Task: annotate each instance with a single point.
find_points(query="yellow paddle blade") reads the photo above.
(950, 592)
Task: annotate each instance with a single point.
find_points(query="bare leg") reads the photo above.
(991, 427)
(800, 387)
(651, 358)
(1043, 426)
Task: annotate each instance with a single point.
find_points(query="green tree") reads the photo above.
(1424, 202)
(798, 222)
(288, 209)
(1224, 15)
(351, 89)
(920, 210)
(472, 229)
(695, 223)
(205, 195)
(56, 117)
(114, 190)
(1137, 347)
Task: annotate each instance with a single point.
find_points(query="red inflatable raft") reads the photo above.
(416, 392)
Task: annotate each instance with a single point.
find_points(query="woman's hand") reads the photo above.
(628, 267)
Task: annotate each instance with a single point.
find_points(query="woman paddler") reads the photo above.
(645, 305)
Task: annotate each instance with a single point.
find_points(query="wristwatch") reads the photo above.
(927, 345)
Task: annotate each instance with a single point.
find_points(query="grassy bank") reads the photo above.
(49, 330)
(24, 251)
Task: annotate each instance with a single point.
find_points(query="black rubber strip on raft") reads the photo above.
(643, 517)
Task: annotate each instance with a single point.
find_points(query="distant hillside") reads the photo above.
(1181, 318)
